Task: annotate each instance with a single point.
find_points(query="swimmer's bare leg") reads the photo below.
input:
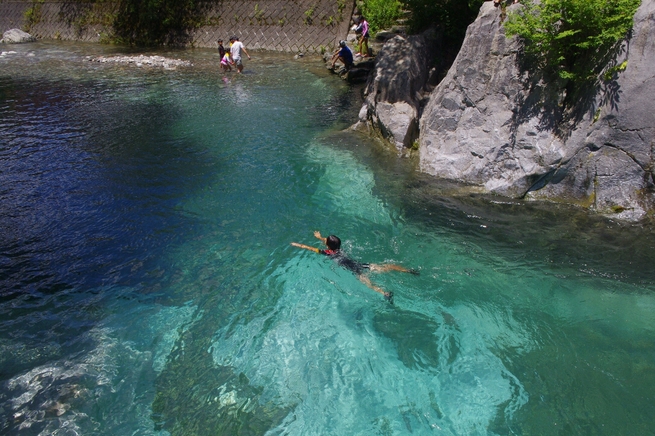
(387, 295)
(390, 267)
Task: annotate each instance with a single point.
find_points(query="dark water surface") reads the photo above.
(147, 284)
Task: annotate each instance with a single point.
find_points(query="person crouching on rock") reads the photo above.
(343, 54)
(333, 244)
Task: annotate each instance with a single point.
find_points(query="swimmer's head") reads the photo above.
(333, 242)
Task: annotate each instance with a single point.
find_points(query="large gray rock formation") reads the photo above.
(489, 125)
(395, 90)
(16, 36)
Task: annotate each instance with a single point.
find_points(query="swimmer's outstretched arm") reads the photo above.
(317, 234)
(306, 247)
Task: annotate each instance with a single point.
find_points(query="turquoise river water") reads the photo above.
(148, 285)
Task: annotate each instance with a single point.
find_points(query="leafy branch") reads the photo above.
(572, 39)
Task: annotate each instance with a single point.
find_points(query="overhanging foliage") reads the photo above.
(572, 39)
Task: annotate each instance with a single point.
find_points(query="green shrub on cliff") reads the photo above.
(572, 39)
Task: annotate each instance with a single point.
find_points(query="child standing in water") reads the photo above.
(221, 49)
(333, 244)
(226, 63)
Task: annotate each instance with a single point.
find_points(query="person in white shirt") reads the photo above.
(236, 48)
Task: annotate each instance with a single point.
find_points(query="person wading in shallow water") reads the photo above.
(236, 48)
(333, 245)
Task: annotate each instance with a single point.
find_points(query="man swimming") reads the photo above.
(333, 244)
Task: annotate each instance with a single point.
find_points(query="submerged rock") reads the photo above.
(16, 36)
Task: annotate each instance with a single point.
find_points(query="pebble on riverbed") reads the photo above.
(141, 60)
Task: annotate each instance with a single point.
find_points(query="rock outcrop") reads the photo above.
(16, 36)
(489, 125)
(396, 88)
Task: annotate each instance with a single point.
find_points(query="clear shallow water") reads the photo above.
(147, 284)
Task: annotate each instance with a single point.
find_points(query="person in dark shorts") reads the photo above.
(343, 54)
(333, 244)
(236, 47)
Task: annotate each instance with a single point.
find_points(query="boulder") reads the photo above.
(16, 36)
(489, 124)
(396, 89)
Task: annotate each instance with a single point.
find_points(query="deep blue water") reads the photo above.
(148, 285)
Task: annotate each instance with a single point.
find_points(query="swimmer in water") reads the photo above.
(333, 245)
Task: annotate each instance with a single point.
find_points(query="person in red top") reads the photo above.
(333, 244)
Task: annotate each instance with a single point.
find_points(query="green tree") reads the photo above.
(572, 39)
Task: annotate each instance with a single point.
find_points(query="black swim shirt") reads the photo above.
(346, 262)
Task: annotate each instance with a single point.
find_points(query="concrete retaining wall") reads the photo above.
(280, 25)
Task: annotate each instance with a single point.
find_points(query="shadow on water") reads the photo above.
(558, 236)
(86, 183)
(567, 238)
(415, 338)
(196, 396)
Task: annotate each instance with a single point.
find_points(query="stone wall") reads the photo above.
(279, 25)
(56, 20)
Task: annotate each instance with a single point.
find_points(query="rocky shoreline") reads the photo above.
(488, 126)
(141, 61)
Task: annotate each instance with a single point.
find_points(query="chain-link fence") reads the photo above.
(280, 25)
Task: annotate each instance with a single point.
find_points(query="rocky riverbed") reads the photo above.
(143, 61)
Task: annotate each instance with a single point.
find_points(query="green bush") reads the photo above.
(32, 14)
(381, 14)
(572, 39)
